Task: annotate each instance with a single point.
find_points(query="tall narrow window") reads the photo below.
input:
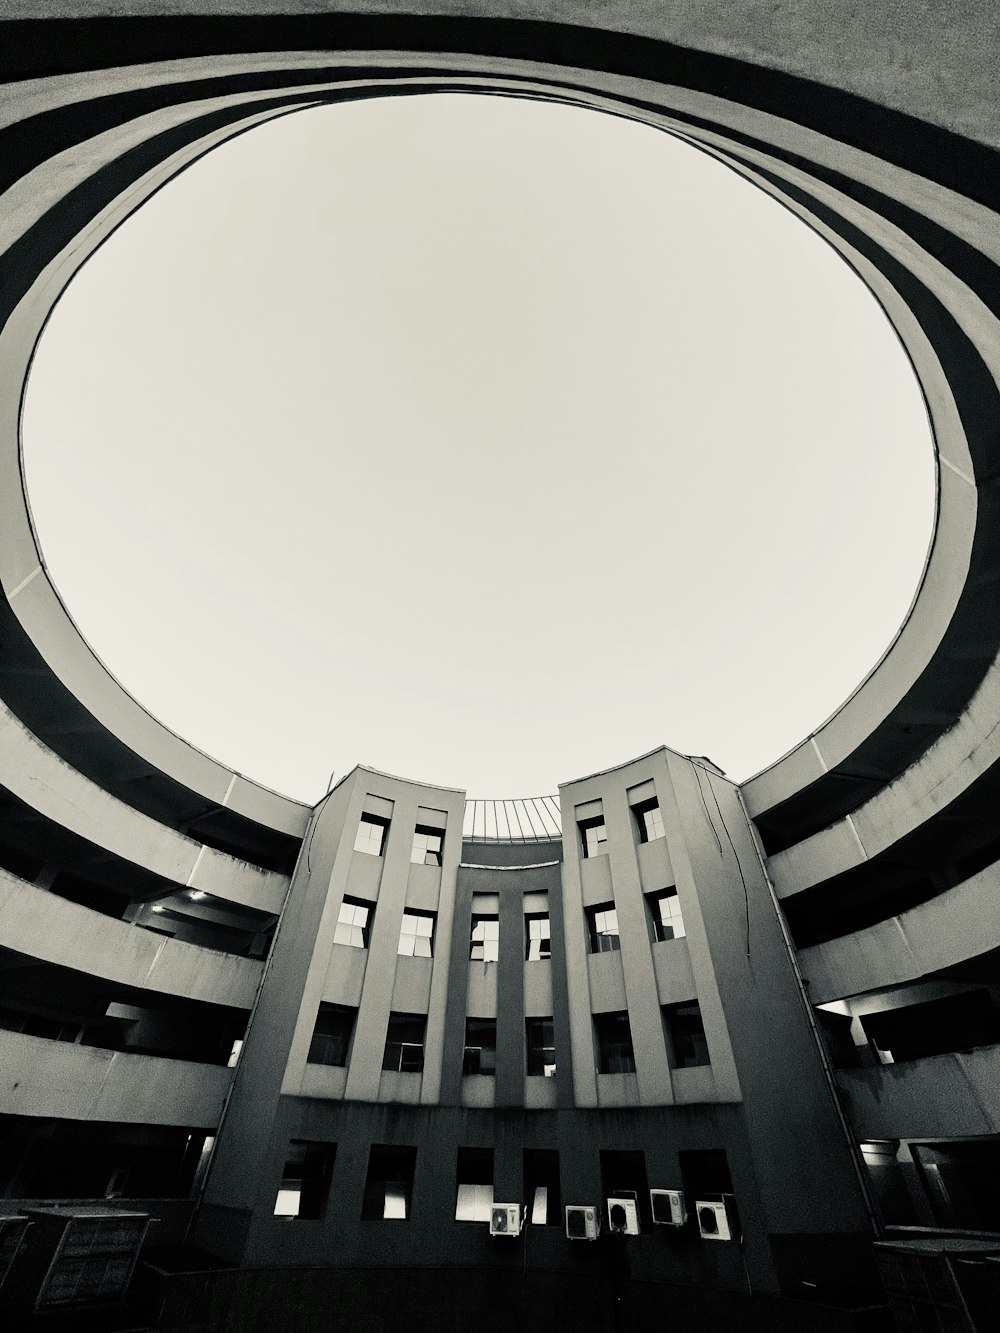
(389, 1184)
(428, 845)
(541, 1187)
(305, 1180)
(371, 835)
(480, 1046)
(687, 1034)
(475, 1185)
(665, 915)
(540, 1047)
(416, 934)
(623, 1176)
(649, 821)
(593, 836)
(404, 1043)
(354, 923)
(602, 923)
(485, 942)
(331, 1039)
(539, 938)
(614, 1044)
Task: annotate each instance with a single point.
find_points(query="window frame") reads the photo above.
(407, 1045)
(484, 919)
(674, 1017)
(640, 811)
(599, 847)
(351, 1014)
(377, 821)
(426, 832)
(659, 925)
(547, 1069)
(365, 928)
(610, 1053)
(489, 1028)
(416, 914)
(530, 919)
(596, 935)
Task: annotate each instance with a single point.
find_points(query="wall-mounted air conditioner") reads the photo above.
(583, 1221)
(506, 1219)
(717, 1218)
(669, 1209)
(623, 1216)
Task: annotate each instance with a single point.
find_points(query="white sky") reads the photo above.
(483, 441)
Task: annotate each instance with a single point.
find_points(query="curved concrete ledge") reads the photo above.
(43, 781)
(54, 1078)
(952, 928)
(941, 1096)
(45, 926)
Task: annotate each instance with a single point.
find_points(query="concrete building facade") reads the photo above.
(315, 1043)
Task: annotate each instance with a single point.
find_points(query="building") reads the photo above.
(283, 1032)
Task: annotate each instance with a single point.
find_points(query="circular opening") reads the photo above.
(485, 441)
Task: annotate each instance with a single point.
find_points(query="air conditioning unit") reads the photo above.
(669, 1209)
(583, 1221)
(506, 1219)
(623, 1216)
(717, 1218)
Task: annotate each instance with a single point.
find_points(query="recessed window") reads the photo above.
(475, 1185)
(331, 1039)
(485, 942)
(416, 934)
(540, 1046)
(389, 1184)
(541, 1187)
(602, 925)
(480, 1046)
(428, 845)
(371, 835)
(404, 1043)
(614, 1044)
(665, 915)
(593, 836)
(305, 1180)
(539, 938)
(687, 1035)
(354, 923)
(649, 821)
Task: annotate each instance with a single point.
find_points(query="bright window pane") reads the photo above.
(395, 1201)
(287, 1203)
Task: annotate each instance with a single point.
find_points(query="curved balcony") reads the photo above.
(940, 1096)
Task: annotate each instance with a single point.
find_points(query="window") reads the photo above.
(593, 836)
(540, 1045)
(371, 835)
(428, 844)
(475, 1185)
(485, 939)
(353, 924)
(602, 922)
(416, 934)
(539, 931)
(480, 1046)
(305, 1180)
(614, 1044)
(665, 913)
(389, 1184)
(649, 820)
(686, 1034)
(331, 1039)
(623, 1176)
(404, 1043)
(541, 1187)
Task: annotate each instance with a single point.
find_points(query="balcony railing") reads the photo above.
(528, 819)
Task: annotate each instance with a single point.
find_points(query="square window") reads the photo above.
(540, 1047)
(686, 1035)
(541, 1187)
(665, 915)
(428, 845)
(416, 934)
(485, 943)
(305, 1180)
(602, 923)
(475, 1185)
(649, 820)
(389, 1184)
(539, 938)
(371, 833)
(614, 1044)
(593, 837)
(404, 1043)
(480, 1046)
(331, 1039)
(354, 923)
